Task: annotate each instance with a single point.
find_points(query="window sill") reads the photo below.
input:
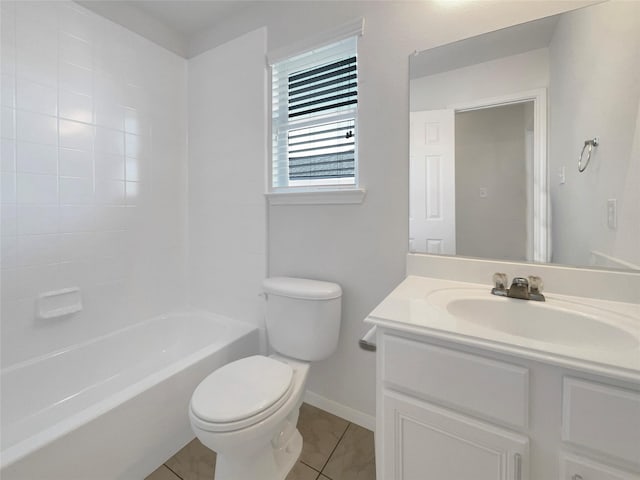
(318, 197)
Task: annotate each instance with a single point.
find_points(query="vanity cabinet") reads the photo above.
(447, 411)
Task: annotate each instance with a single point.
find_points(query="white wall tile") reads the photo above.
(72, 83)
(7, 26)
(38, 66)
(13, 342)
(75, 163)
(7, 59)
(32, 38)
(8, 184)
(78, 273)
(77, 218)
(37, 15)
(132, 192)
(76, 22)
(8, 123)
(36, 158)
(9, 251)
(108, 114)
(8, 220)
(109, 167)
(36, 128)
(76, 191)
(37, 189)
(35, 97)
(115, 243)
(75, 135)
(134, 146)
(110, 270)
(75, 51)
(76, 246)
(8, 154)
(109, 141)
(110, 192)
(75, 106)
(9, 284)
(37, 219)
(134, 168)
(112, 217)
(134, 97)
(75, 79)
(35, 280)
(38, 250)
(8, 96)
(136, 122)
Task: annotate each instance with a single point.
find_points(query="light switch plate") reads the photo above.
(612, 213)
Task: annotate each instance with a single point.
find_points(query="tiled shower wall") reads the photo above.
(93, 175)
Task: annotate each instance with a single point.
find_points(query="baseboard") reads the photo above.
(348, 413)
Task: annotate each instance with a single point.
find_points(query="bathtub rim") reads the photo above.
(23, 448)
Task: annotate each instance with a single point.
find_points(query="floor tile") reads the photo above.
(321, 432)
(301, 471)
(162, 473)
(193, 462)
(354, 457)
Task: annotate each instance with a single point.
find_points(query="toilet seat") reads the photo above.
(241, 394)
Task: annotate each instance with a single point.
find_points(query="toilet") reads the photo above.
(247, 410)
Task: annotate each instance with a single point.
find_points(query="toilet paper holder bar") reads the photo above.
(368, 341)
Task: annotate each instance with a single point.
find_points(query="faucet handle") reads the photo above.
(520, 282)
(500, 280)
(535, 284)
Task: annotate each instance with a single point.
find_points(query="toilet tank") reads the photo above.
(303, 317)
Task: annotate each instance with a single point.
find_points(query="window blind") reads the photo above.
(315, 97)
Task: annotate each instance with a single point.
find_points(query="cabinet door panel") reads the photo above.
(425, 442)
(602, 418)
(573, 467)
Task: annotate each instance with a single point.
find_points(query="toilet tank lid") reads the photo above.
(301, 288)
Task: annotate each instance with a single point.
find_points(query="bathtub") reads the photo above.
(114, 407)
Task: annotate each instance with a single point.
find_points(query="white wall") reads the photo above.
(93, 177)
(507, 75)
(595, 91)
(227, 162)
(363, 247)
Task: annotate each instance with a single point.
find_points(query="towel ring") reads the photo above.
(594, 142)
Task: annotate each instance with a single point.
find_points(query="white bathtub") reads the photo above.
(115, 407)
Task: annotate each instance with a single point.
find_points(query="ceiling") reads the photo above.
(189, 16)
(483, 48)
(169, 23)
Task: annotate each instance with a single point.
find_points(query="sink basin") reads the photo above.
(553, 321)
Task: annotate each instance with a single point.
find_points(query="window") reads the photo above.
(314, 118)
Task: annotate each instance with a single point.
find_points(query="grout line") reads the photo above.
(171, 470)
(312, 468)
(334, 449)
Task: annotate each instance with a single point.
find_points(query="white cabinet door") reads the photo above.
(573, 467)
(425, 442)
(432, 206)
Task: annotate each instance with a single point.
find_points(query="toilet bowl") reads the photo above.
(247, 410)
(254, 433)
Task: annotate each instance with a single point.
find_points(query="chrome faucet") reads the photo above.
(523, 288)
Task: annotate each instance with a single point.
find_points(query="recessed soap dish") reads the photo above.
(59, 303)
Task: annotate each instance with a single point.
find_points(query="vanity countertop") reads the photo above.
(412, 308)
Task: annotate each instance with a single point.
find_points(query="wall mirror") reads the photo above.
(525, 142)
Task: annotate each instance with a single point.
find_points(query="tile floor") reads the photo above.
(333, 449)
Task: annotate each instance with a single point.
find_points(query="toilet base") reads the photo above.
(270, 463)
